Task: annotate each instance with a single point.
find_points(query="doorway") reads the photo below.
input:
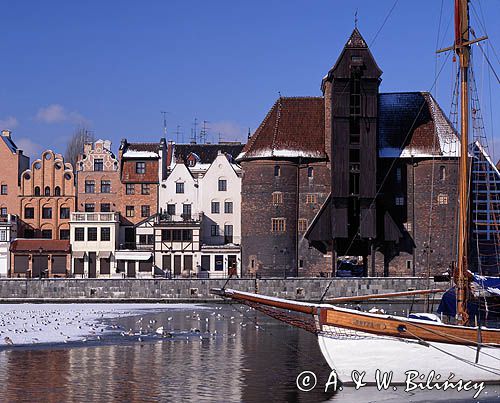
(92, 265)
(39, 267)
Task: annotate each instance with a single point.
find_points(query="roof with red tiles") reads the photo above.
(294, 127)
(411, 124)
(34, 245)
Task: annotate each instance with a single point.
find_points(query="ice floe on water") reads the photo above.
(24, 324)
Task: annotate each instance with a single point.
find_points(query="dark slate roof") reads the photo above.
(33, 245)
(139, 150)
(294, 127)
(413, 124)
(206, 153)
(151, 147)
(10, 144)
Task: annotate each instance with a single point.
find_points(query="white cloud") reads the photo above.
(29, 147)
(56, 113)
(8, 123)
(229, 131)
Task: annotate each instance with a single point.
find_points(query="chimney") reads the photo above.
(6, 133)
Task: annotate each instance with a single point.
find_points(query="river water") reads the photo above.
(214, 353)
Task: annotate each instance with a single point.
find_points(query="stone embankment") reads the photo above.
(198, 290)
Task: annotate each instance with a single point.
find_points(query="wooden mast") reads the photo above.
(462, 47)
(463, 50)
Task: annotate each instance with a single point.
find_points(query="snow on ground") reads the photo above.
(58, 323)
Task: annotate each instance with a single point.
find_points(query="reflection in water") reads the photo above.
(215, 355)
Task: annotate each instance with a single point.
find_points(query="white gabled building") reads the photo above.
(94, 241)
(8, 232)
(203, 187)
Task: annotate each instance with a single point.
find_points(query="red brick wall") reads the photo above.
(314, 262)
(85, 171)
(137, 200)
(128, 174)
(50, 171)
(274, 253)
(11, 167)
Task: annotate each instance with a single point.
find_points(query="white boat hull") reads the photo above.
(347, 351)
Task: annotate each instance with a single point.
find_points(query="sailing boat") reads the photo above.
(352, 340)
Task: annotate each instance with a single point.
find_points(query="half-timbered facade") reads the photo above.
(8, 233)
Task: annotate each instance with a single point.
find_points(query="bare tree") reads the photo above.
(80, 136)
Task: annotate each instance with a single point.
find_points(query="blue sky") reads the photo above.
(114, 65)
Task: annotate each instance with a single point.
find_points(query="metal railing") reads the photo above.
(102, 217)
(191, 218)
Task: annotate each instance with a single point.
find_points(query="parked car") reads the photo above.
(349, 269)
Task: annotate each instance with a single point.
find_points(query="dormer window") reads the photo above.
(140, 167)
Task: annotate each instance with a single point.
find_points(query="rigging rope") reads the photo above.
(382, 26)
(391, 166)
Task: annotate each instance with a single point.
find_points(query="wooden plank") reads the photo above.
(409, 330)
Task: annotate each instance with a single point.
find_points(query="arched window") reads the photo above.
(46, 192)
(57, 191)
(442, 172)
(277, 170)
(37, 190)
(310, 172)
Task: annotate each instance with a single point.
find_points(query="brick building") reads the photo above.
(141, 169)
(98, 178)
(394, 172)
(40, 258)
(285, 182)
(47, 197)
(352, 173)
(12, 164)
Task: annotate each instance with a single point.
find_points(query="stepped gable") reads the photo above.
(413, 124)
(294, 127)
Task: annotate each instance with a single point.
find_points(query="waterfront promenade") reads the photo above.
(198, 290)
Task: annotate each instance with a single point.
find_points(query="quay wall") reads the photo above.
(196, 290)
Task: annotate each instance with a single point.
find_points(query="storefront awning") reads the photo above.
(104, 254)
(78, 254)
(136, 255)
